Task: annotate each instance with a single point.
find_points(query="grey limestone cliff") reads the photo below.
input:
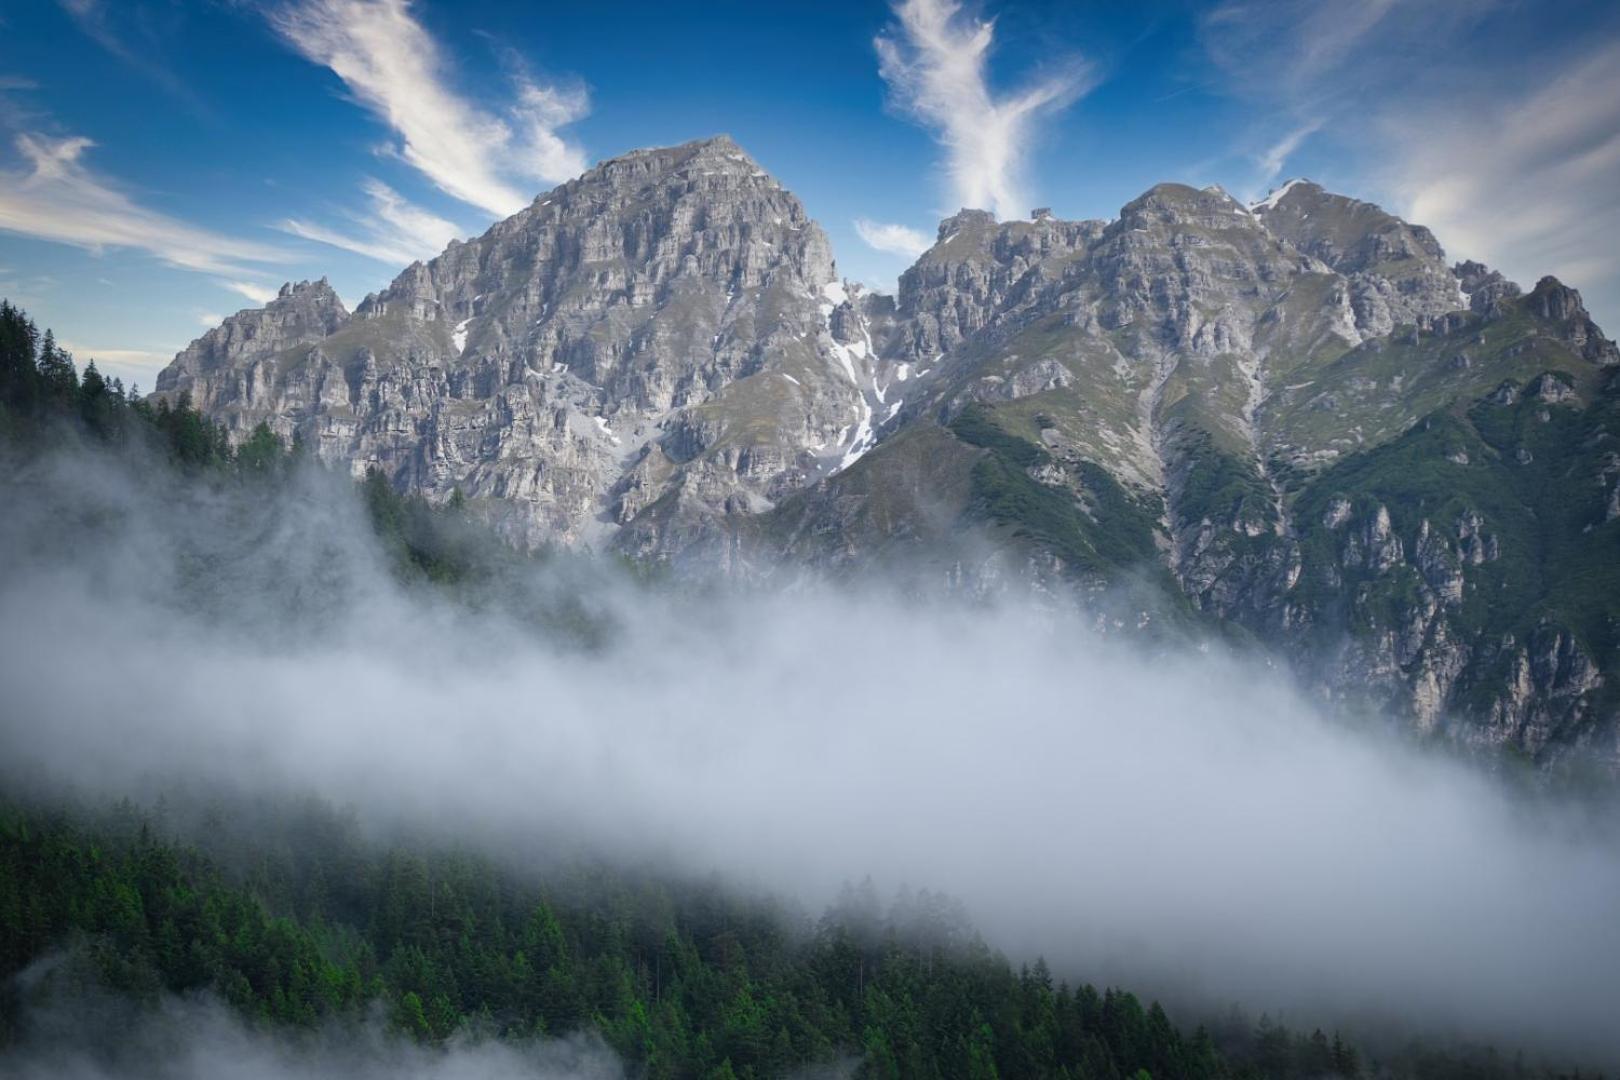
(1293, 422)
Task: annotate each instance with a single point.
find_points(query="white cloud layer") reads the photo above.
(892, 239)
(394, 67)
(1301, 41)
(56, 197)
(396, 232)
(935, 65)
(1184, 823)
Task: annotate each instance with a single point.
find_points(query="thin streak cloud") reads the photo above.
(1551, 155)
(1277, 155)
(135, 41)
(259, 294)
(396, 231)
(892, 239)
(397, 71)
(56, 197)
(935, 62)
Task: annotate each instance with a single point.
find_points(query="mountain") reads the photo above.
(1293, 423)
(642, 350)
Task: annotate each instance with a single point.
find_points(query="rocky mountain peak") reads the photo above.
(1253, 407)
(974, 223)
(1485, 288)
(653, 336)
(1299, 188)
(1348, 234)
(974, 269)
(315, 292)
(301, 313)
(1179, 203)
(1556, 302)
(1552, 299)
(1397, 271)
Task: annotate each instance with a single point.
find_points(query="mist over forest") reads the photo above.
(901, 540)
(220, 642)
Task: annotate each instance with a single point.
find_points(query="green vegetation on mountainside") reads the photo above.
(1359, 399)
(295, 920)
(1106, 530)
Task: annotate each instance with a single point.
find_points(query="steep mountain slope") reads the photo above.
(647, 346)
(1239, 401)
(1294, 420)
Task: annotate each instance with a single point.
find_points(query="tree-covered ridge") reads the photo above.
(309, 924)
(41, 391)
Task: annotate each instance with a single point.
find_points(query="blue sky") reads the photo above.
(162, 162)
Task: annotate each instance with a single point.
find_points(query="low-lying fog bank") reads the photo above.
(87, 1034)
(1181, 822)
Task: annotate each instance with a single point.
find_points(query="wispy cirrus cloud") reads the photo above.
(1267, 45)
(1531, 184)
(1511, 155)
(56, 197)
(259, 294)
(935, 62)
(396, 70)
(138, 35)
(395, 231)
(892, 239)
(1275, 156)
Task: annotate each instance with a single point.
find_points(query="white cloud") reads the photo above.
(394, 68)
(1276, 156)
(1530, 184)
(892, 239)
(540, 111)
(57, 198)
(1301, 40)
(1162, 817)
(209, 320)
(1510, 157)
(935, 68)
(396, 231)
(259, 294)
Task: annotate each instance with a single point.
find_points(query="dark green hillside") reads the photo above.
(306, 923)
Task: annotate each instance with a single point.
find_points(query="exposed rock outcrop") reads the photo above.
(1294, 418)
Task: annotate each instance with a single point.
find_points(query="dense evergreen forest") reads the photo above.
(297, 918)
(299, 921)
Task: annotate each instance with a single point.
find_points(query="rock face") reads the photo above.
(642, 351)
(1293, 417)
(1396, 271)
(214, 365)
